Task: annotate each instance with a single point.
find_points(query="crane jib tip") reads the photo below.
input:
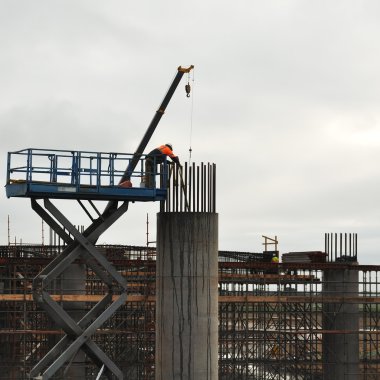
(185, 69)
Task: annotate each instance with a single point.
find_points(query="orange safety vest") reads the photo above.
(167, 151)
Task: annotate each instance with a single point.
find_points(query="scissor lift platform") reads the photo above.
(63, 174)
(79, 175)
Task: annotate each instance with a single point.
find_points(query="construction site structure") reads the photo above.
(291, 324)
(315, 315)
(82, 310)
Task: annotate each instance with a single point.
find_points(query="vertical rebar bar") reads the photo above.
(191, 189)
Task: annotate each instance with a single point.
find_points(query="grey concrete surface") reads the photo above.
(187, 296)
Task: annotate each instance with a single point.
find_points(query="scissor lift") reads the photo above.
(51, 174)
(84, 176)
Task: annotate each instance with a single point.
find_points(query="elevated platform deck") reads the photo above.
(62, 174)
(66, 191)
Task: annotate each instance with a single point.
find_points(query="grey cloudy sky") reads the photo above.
(286, 103)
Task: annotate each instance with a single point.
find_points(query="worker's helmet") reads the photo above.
(275, 259)
(169, 145)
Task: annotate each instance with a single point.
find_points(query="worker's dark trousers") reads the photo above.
(149, 173)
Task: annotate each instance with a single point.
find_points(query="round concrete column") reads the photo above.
(341, 346)
(187, 296)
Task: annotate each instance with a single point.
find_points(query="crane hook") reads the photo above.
(188, 89)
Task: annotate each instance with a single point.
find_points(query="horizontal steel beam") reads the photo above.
(222, 299)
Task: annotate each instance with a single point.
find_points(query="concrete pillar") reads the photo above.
(341, 348)
(187, 296)
(74, 282)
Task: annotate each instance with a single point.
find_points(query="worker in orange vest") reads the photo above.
(158, 156)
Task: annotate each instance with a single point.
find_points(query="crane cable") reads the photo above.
(188, 89)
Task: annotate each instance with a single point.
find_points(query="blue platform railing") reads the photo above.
(66, 171)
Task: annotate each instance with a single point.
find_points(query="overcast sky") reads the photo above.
(286, 103)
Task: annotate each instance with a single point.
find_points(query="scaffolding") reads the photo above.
(273, 318)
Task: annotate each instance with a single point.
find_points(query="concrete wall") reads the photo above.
(187, 296)
(341, 350)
